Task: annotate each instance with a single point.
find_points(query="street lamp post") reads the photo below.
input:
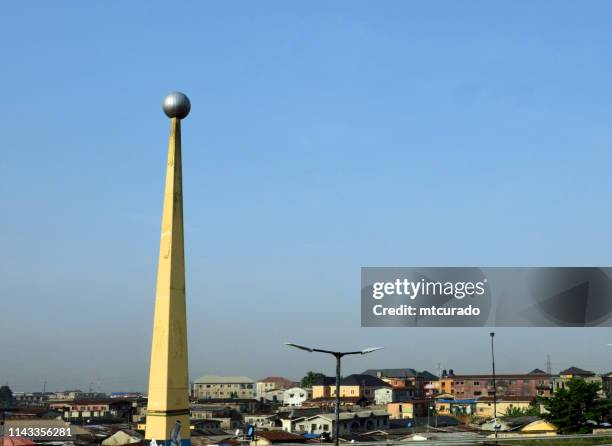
(338, 356)
(494, 387)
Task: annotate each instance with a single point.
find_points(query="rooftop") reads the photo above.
(279, 436)
(353, 415)
(401, 373)
(500, 376)
(279, 381)
(576, 371)
(501, 399)
(353, 380)
(214, 379)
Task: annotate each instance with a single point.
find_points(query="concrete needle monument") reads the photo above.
(168, 403)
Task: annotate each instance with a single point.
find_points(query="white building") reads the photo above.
(219, 387)
(272, 396)
(295, 396)
(257, 420)
(272, 383)
(350, 422)
(387, 395)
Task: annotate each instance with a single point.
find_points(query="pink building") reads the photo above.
(533, 384)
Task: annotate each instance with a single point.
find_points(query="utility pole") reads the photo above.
(494, 386)
(338, 356)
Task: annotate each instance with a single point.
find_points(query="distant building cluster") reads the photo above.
(376, 404)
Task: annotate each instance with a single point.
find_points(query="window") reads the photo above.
(326, 427)
(476, 383)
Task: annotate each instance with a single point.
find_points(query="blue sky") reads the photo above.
(324, 136)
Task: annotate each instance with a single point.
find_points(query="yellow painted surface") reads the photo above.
(345, 391)
(320, 391)
(407, 409)
(539, 426)
(168, 376)
(485, 409)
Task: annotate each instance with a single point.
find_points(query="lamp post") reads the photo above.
(492, 334)
(338, 356)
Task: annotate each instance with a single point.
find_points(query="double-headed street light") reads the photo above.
(338, 356)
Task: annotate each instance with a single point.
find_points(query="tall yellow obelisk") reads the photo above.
(168, 399)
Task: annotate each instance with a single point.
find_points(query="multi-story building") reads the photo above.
(353, 386)
(405, 379)
(533, 384)
(31, 399)
(408, 409)
(272, 383)
(71, 395)
(560, 382)
(220, 387)
(94, 409)
(272, 396)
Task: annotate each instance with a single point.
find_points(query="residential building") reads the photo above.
(408, 409)
(405, 378)
(450, 406)
(484, 405)
(70, 395)
(265, 438)
(215, 387)
(346, 402)
(208, 411)
(350, 422)
(31, 399)
(123, 437)
(295, 396)
(560, 382)
(386, 395)
(272, 383)
(272, 396)
(238, 405)
(285, 416)
(533, 384)
(260, 420)
(353, 386)
(94, 409)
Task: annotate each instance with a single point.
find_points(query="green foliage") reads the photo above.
(522, 411)
(6, 396)
(310, 378)
(571, 407)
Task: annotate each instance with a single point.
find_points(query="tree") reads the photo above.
(6, 396)
(570, 408)
(310, 379)
(522, 411)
